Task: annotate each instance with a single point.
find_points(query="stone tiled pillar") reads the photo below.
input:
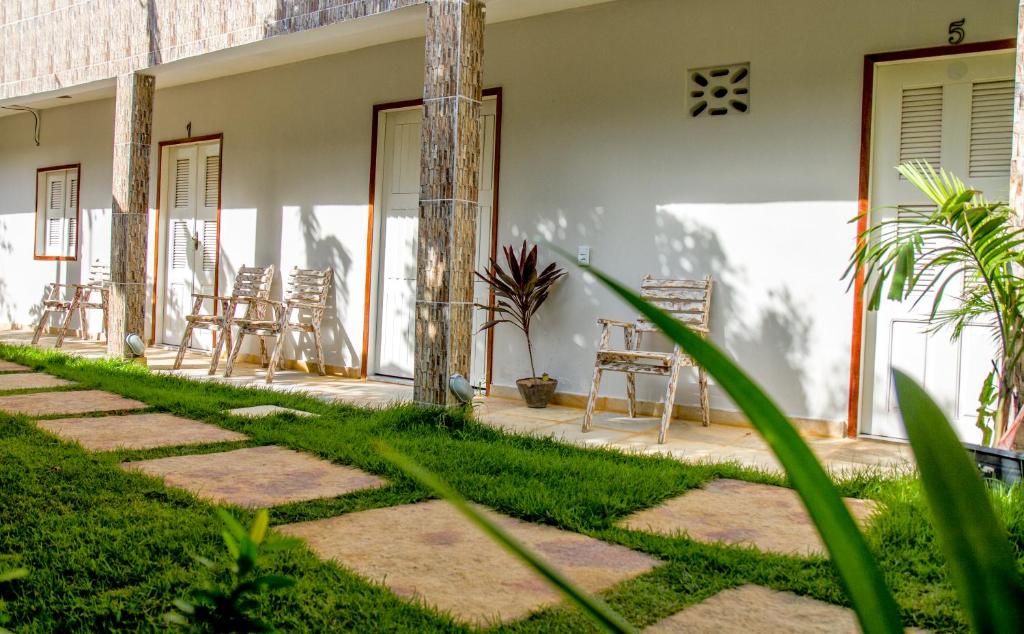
(133, 126)
(450, 164)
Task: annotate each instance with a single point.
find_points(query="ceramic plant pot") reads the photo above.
(537, 392)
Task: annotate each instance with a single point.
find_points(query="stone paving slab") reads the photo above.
(137, 431)
(767, 517)
(753, 608)
(30, 381)
(429, 551)
(10, 366)
(257, 477)
(74, 402)
(256, 411)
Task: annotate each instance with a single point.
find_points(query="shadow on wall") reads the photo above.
(153, 31)
(325, 252)
(767, 329)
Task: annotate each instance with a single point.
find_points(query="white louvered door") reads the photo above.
(191, 197)
(956, 113)
(59, 208)
(399, 188)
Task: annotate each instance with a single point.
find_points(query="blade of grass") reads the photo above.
(981, 561)
(865, 586)
(598, 610)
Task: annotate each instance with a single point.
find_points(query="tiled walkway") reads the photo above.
(428, 552)
(687, 440)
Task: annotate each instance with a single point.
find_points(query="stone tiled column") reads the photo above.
(133, 126)
(450, 164)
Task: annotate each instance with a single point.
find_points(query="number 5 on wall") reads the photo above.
(956, 31)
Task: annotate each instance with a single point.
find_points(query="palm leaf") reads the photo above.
(981, 560)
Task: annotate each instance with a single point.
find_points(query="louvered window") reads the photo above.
(56, 229)
(181, 183)
(209, 245)
(991, 128)
(181, 242)
(921, 125)
(211, 189)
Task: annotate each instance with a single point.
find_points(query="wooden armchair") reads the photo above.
(306, 300)
(250, 290)
(688, 301)
(76, 298)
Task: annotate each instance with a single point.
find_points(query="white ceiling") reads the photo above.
(395, 26)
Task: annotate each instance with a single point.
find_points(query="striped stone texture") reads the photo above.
(63, 43)
(133, 127)
(450, 164)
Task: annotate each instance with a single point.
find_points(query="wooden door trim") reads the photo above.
(378, 109)
(219, 136)
(864, 189)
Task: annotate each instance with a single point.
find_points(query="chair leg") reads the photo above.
(275, 356)
(631, 393)
(705, 398)
(670, 400)
(319, 351)
(215, 359)
(66, 324)
(83, 319)
(183, 346)
(263, 351)
(588, 415)
(39, 327)
(230, 368)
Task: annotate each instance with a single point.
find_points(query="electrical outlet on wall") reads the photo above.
(583, 255)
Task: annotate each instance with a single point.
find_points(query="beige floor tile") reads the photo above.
(74, 402)
(753, 608)
(429, 551)
(10, 366)
(769, 518)
(258, 477)
(30, 381)
(137, 431)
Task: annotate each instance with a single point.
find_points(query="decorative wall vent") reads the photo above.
(719, 90)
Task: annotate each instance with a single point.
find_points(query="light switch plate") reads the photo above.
(583, 255)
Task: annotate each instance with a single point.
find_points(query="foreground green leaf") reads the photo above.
(981, 561)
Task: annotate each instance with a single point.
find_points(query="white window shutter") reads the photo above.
(209, 245)
(991, 128)
(71, 214)
(182, 183)
(181, 243)
(211, 186)
(921, 125)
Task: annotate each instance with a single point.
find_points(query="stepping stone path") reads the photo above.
(258, 476)
(753, 608)
(77, 402)
(137, 431)
(767, 517)
(431, 552)
(9, 366)
(30, 381)
(257, 411)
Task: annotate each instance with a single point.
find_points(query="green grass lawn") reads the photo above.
(110, 550)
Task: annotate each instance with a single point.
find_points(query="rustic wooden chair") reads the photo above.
(688, 301)
(251, 289)
(76, 298)
(306, 297)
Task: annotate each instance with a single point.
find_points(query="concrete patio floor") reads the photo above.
(688, 440)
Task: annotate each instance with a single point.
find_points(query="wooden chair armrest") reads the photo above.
(309, 305)
(616, 322)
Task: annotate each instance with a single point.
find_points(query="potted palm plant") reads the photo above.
(520, 289)
(966, 243)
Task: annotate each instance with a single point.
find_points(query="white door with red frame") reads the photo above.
(956, 113)
(191, 197)
(398, 190)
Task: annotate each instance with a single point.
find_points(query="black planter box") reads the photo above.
(999, 464)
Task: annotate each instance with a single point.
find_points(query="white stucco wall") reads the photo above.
(597, 149)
